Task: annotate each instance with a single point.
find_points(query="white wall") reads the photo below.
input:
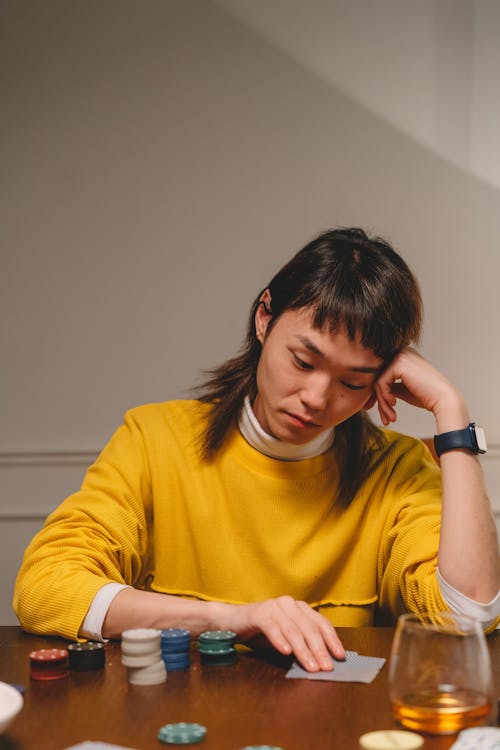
(429, 68)
(159, 162)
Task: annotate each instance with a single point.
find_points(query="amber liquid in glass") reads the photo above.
(442, 712)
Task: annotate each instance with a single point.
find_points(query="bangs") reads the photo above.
(373, 327)
(383, 316)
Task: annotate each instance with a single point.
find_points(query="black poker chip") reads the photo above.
(86, 656)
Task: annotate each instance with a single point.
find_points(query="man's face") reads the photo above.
(309, 380)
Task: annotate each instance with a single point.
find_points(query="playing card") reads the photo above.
(355, 668)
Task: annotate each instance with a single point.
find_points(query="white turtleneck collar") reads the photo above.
(274, 448)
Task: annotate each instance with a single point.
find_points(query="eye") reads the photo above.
(354, 387)
(300, 363)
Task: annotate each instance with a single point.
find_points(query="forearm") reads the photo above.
(133, 608)
(468, 550)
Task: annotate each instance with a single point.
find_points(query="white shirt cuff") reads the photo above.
(462, 605)
(92, 625)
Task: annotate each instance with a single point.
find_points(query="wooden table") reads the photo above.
(248, 703)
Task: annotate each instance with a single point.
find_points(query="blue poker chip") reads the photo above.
(174, 662)
(180, 656)
(181, 733)
(175, 640)
(174, 634)
(20, 688)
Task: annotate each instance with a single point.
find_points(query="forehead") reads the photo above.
(297, 326)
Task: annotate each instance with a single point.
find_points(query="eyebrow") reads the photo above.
(314, 349)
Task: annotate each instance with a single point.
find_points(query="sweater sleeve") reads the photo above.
(410, 536)
(96, 536)
(408, 559)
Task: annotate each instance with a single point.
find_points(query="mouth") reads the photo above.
(302, 421)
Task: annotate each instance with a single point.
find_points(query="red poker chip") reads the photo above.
(49, 664)
(49, 654)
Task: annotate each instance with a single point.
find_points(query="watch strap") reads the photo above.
(458, 439)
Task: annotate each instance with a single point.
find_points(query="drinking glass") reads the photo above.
(440, 678)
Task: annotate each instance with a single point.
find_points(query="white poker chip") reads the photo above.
(391, 739)
(140, 641)
(141, 660)
(140, 634)
(154, 674)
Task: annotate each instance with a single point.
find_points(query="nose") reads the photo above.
(315, 393)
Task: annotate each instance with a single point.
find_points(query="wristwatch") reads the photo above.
(471, 438)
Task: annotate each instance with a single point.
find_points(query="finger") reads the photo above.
(274, 634)
(301, 649)
(386, 402)
(329, 642)
(316, 640)
(293, 625)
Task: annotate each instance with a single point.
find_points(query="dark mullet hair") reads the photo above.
(348, 279)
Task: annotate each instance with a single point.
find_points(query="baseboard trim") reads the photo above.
(48, 458)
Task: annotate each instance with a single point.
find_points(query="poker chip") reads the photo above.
(181, 733)
(219, 660)
(175, 644)
(216, 647)
(261, 747)
(142, 658)
(141, 640)
(49, 664)
(389, 739)
(86, 656)
(175, 638)
(213, 637)
(155, 674)
(20, 688)
(176, 662)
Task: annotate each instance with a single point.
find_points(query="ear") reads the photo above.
(263, 315)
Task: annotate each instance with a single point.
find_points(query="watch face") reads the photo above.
(481, 439)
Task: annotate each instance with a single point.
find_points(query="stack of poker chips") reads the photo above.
(49, 664)
(141, 655)
(86, 656)
(216, 647)
(175, 644)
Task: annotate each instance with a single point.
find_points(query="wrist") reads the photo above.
(451, 413)
(219, 615)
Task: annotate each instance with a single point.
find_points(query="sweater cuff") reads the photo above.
(92, 625)
(462, 605)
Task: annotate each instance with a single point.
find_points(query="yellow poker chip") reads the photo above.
(391, 739)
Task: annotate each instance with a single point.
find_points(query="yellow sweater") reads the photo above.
(243, 528)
